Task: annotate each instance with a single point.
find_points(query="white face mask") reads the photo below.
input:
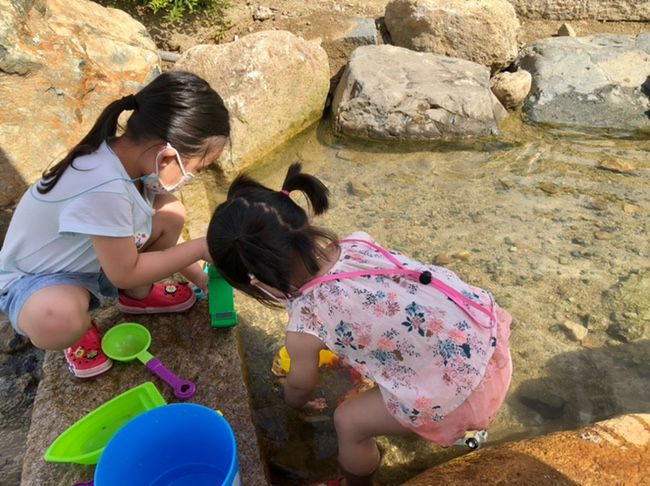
(282, 300)
(152, 181)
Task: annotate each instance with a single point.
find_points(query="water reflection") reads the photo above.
(549, 221)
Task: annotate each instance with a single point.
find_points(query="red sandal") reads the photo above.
(85, 358)
(164, 297)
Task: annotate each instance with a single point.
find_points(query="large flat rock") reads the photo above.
(611, 452)
(188, 346)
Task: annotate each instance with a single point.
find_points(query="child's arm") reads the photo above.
(126, 268)
(196, 274)
(304, 352)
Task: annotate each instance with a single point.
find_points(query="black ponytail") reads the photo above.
(177, 107)
(261, 231)
(312, 187)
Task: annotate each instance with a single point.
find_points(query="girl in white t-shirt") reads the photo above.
(435, 346)
(104, 218)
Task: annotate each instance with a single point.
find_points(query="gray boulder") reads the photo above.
(589, 82)
(393, 93)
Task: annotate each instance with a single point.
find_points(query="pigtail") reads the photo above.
(243, 239)
(104, 127)
(317, 193)
(242, 185)
(261, 231)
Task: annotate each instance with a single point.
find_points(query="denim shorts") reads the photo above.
(13, 298)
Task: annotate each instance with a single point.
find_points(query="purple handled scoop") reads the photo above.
(129, 341)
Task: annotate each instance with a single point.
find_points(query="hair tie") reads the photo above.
(130, 103)
(285, 192)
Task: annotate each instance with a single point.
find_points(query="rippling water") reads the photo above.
(531, 216)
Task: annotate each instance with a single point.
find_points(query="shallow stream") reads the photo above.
(535, 217)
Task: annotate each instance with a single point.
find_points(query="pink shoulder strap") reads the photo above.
(423, 277)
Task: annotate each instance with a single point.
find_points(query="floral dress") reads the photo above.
(422, 349)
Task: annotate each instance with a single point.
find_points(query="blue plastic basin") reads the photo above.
(181, 444)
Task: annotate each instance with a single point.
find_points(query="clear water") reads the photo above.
(530, 216)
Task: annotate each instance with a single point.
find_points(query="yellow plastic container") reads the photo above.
(327, 358)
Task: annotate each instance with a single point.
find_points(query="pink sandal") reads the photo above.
(164, 297)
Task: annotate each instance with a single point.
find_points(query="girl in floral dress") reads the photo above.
(435, 346)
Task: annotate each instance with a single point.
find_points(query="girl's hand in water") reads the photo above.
(317, 405)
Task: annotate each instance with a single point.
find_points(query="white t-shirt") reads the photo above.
(51, 232)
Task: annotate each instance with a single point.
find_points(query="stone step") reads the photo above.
(187, 345)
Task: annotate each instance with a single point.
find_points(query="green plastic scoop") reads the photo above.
(129, 341)
(84, 441)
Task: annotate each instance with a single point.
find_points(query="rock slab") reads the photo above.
(188, 346)
(611, 452)
(600, 82)
(393, 93)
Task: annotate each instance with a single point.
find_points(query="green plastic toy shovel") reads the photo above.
(129, 341)
(84, 441)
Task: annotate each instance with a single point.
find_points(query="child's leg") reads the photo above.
(56, 317)
(358, 421)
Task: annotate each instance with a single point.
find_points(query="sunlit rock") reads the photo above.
(483, 31)
(511, 89)
(274, 85)
(61, 63)
(393, 93)
(614, 451)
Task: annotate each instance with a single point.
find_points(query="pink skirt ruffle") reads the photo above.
(480, 408)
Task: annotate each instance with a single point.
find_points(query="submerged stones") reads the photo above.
(616, 165)
(629, 305)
